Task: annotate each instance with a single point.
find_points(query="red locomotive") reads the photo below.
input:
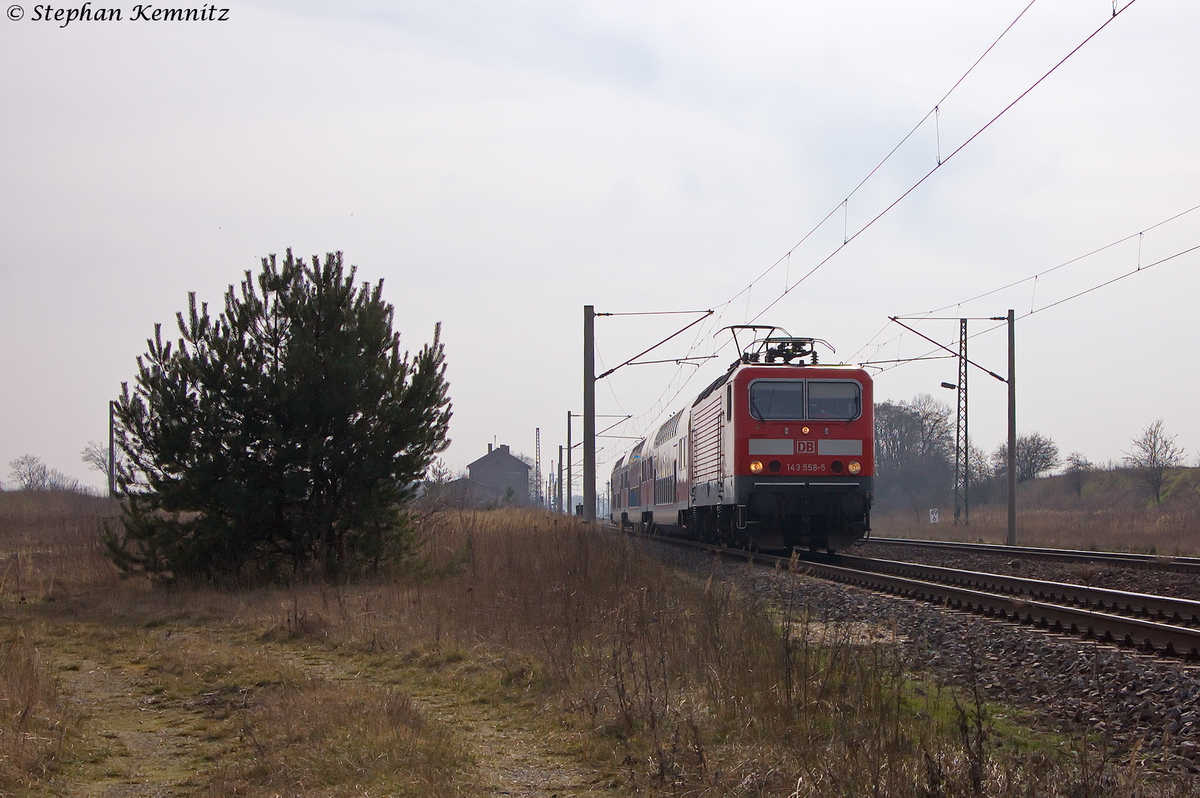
(777, 453)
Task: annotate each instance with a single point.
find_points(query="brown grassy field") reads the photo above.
(1110, 511)
(525, 655)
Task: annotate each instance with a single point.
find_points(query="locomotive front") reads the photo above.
(804, 454)
(778, 453)
(784, 451)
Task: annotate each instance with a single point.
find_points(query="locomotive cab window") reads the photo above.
(777, 400)
(839, 401)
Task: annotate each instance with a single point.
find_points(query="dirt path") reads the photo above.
(512, 757)
(132, 741)
(508, 742)
(151, 728)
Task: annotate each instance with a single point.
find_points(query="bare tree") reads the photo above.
(983, 487)
(96, 457)
(1077, 466)
(981, 470)
(1152, 454)
(30, 472)
(910, 431)
(914, 451)
(33, 474)
(1036, 454)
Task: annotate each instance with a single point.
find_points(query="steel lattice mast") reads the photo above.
(537, 466)
(962, 446)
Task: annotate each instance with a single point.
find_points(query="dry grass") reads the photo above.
(652, 681)
(1146, 531)
(50, 544)
(682, 687)
(325, 738)
(1112, 512)
(33, 716)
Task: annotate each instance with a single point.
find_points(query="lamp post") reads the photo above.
(962, 453)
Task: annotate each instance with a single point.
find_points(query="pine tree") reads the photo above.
(280, 439)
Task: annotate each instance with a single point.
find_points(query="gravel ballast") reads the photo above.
(1137, 704)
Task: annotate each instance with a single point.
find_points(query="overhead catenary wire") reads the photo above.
(655, 313)
(1065, 263)
(948, 349)
(910, 360)
(703, 332)
(954, 152)
(631, 360)
(720, 310)
(1139, 268)
(929, 314)
(844, 204)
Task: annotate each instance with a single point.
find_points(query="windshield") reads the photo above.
(796, 400)
(834, 400)
(781, 400)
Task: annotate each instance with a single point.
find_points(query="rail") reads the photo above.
(1145, 605)
(1093, 613)
(1181, 564)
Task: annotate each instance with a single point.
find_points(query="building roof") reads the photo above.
(498, 456)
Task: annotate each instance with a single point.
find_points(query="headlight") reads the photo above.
(855, 467)
(756, 466)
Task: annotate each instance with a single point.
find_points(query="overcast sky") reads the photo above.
(502, 164)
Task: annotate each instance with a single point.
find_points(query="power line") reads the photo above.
(630, 361)
(655, 313)
(902, 361)
(908, 360)
(1116, 12)
(1043, 273)
(934, 111)
(948, 349)
(844, 204)
(1139, 269)
(786, 258)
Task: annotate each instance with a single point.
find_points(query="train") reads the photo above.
(774, 455)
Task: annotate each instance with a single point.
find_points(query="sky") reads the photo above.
(502, 164)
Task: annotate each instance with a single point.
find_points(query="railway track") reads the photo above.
(1151, 624)
(1190, 565)
(1085, 611)
(1163, 609)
